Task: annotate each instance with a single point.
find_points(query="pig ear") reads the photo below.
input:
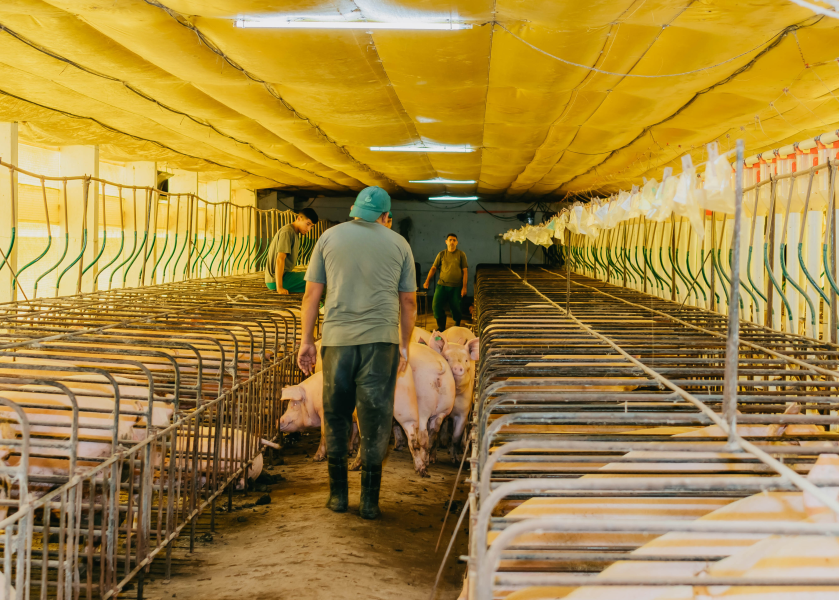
(293, 392)
(437, 342)
(474, 347)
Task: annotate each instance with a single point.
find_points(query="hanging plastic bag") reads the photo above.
(541, 236)
(561, 223)
(646, 198)
(687, 199)
(589, 223)
(662, 206)
(574, 216)
(617, 214)
(600, 212)
(719, 194)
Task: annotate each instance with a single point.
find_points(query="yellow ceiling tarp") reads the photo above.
(557, 96)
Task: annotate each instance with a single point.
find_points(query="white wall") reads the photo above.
(475, 229)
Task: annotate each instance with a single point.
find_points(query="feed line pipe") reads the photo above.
(766, 260)
(132, 257)
(783, 255)
(121, 237)
(203, 257)
(749, 261)
(175, 244)
(104, 238)
(234, 223)
(169, 200)
(807, 273)
(828, 226)
(197, 266)
(153, 229)
(674, 258)
(85, 191)
(8, 253)
(66, 242)
(193, 220)
(49, 233)
(671, 285)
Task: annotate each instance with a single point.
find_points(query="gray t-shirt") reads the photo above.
(287, 242)
(364, 266)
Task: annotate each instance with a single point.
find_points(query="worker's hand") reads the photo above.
(282, 291)
(307, 357)
(462, 292)
(403, 360)
(425, 285)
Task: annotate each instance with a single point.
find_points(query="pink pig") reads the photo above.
(461, 359)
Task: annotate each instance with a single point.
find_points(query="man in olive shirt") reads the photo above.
(453, 278)
(282, 255)
(369, 270)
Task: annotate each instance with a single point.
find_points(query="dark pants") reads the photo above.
(359, 378)
(443, 296)
(294, 282)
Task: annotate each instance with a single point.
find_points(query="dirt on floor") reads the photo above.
(293, 547)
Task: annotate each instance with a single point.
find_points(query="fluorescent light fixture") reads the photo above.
(443, 180)
(286, 23)
(417, 148)
(454, 198)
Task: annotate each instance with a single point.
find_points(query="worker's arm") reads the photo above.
(308, 354)
(407, 318)
(430, 275)
(279, 270)
(465, 280)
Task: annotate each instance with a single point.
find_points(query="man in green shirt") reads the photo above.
(282, 255)
(453, 278)
(369, 270)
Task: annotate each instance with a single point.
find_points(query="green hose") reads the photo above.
(722, 272)
(166, 264)
(9, 251)
(827, 270)
(84, 245)
(55, 266)
(134, 257)
(101, 250)
(772, 278)
(695, 278)
(116, 256)
(40, 256)
(743, 284)
(749, 274)
(810, 277)
(796, 286)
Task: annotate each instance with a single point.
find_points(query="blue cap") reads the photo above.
(370, 204)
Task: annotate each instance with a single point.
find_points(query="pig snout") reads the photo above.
(458, 370)
(289, 422)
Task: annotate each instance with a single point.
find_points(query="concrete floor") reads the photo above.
(296, 548)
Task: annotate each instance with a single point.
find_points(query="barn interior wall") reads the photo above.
(476, 230)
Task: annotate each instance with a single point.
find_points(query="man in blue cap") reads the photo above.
(369, 271)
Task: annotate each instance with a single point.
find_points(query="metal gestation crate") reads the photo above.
(127, 413)
(607, 422)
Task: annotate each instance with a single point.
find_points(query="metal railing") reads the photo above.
(124, 415)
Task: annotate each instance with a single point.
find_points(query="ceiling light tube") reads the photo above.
(454, 198)
(285, 23)
(443, 180)
(417, 148)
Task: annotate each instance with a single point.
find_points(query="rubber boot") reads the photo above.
(371, 483)
(338, 486)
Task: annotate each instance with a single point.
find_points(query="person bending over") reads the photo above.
(453, 278)
(282, 255)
